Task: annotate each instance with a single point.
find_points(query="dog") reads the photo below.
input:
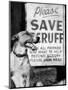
(19, 60)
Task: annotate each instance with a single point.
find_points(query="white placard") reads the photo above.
(48, 22)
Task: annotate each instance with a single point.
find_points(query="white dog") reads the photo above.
(19, 61)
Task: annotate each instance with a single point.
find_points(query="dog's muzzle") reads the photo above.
(33, 40)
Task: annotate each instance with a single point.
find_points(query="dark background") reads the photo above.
(17, 17)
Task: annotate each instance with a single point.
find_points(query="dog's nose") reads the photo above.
(37, 40)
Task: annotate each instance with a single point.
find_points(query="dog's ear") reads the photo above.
(15, 37)
(13, 40)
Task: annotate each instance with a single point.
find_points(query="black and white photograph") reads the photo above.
(37, 50)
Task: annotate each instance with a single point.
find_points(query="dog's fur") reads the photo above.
(20, 66)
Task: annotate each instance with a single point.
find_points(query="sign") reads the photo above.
(47, 21)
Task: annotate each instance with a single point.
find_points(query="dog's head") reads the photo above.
(26, 39)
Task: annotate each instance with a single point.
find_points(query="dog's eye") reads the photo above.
(24, 76)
